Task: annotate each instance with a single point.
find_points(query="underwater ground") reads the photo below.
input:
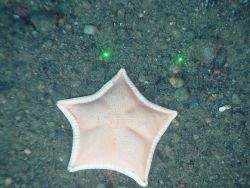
(192, 56)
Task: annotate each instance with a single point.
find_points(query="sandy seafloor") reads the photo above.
(50, 50)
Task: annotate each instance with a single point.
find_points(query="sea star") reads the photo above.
(116, 128)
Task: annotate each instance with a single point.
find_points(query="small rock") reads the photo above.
(121, 13)
(18, 118)
(86, 4)
(176, 34)
(169, 152)
(27, 151)
(208, 53)
(41, 87)
(195, 136)
(208, 120)
(43, 21)
(174, 68)
(51, 124)
(236, 99)
(205, 50)
(189, 35)
(76, 83)
(68, 27)
(194, 104)
(8, 181)
(101, 185)
(238, 118)
(176, 138)
(223, 108)
(181, 94)
(90, 29)
(161, 182)
(175, 123)
(2, 100)
(176, 82)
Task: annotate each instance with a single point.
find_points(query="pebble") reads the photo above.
(2, 100)
(86, 5)
(161, 182)
(236, 99)
(181, 94)
(237, 118)
(76, 83)
(196, 136)
(176, 138)
(175, 123)
(223, 108)
(61, 159)
(27, 151)
(194, 104)
(169, 152)
(120, 13)
(8, 181)
(189, 35)
(90, 29)
(18, 118)
(174, 68)
(43, 21)
(51, 124)
(176, 82)
(205, 50)
(101, 185)
(208, 120)
(176, 34)
(209, 53)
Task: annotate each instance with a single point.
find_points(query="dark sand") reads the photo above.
(48, 54)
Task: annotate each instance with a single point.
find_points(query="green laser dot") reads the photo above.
(180, 59)
(106, 54)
